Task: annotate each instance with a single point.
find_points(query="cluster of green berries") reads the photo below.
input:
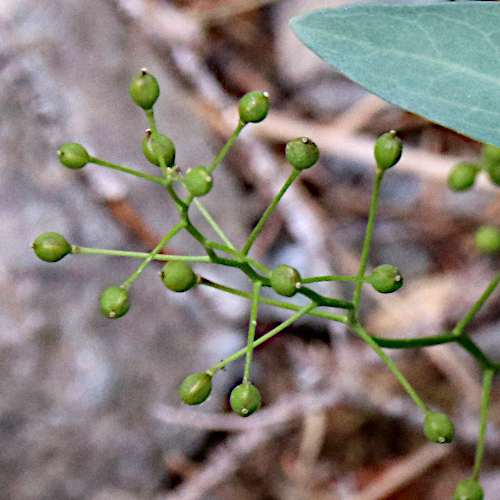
(463, 175)
(462, 178)
(178, 276)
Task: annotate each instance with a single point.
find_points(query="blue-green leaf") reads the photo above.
(440, 60)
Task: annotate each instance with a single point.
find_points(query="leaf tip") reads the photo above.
(294, 21)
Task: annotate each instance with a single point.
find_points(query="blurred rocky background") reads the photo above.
(89, 407)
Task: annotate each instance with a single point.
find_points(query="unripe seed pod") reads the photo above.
(285, 280)
(195, 388)
(245, 399)
(144, 89)
(468, 489)
(253, 106)
(178, 276)
(491, 154)
(51, 247)
(73, 155)
(388, 150)
(165, 145)
(302, 153)
(462, 176)
(386, 278)
(198, 181)
(494, 173)
(439, 428)
(488, 239)
(115, 302)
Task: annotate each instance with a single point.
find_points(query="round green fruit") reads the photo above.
(488, 239)
(115, 302)
(195, 388)
(178, 276)
(388, 150)
(285, 280)
(494, 173)
(73, 155)
(165, 145)
(51, 247)
(468, 489)
(245, 399)
(253, 106)
(491, 154)
(198, 181)
(144, 89)
(302, 153)
(439, 428)
(462, 176)
(386, 278)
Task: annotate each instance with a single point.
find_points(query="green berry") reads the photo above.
(144, 89)
(468, 489)
(388, 150)
(386, 278)
(439, 428)
(253, 106)
(196, 388)
(164, 144)
(51, 247)
(302, 153)
(285, 280)
(245, 399)
(462, 176)
(494, 173)
(115, 302)
(491, 154)
(488, 239)
(198, 181)
(178, 276)
(73, 155)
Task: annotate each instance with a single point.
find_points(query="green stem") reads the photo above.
(463, 340)
(334, 278)
(128, 282)
(97, 161)
(324, 301)
(181, 205)
(213, 224)
(226, 147)
(137, 255)
(414, 343)
(485, 401)
(475, 308)
(277, 303)
(239, 256)
(304, 310)
(251, 329)
(473, 349)
(269, 211)
(197, 235)
(392, 366)
(368, 238)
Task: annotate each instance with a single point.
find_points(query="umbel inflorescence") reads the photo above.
(178, 275)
